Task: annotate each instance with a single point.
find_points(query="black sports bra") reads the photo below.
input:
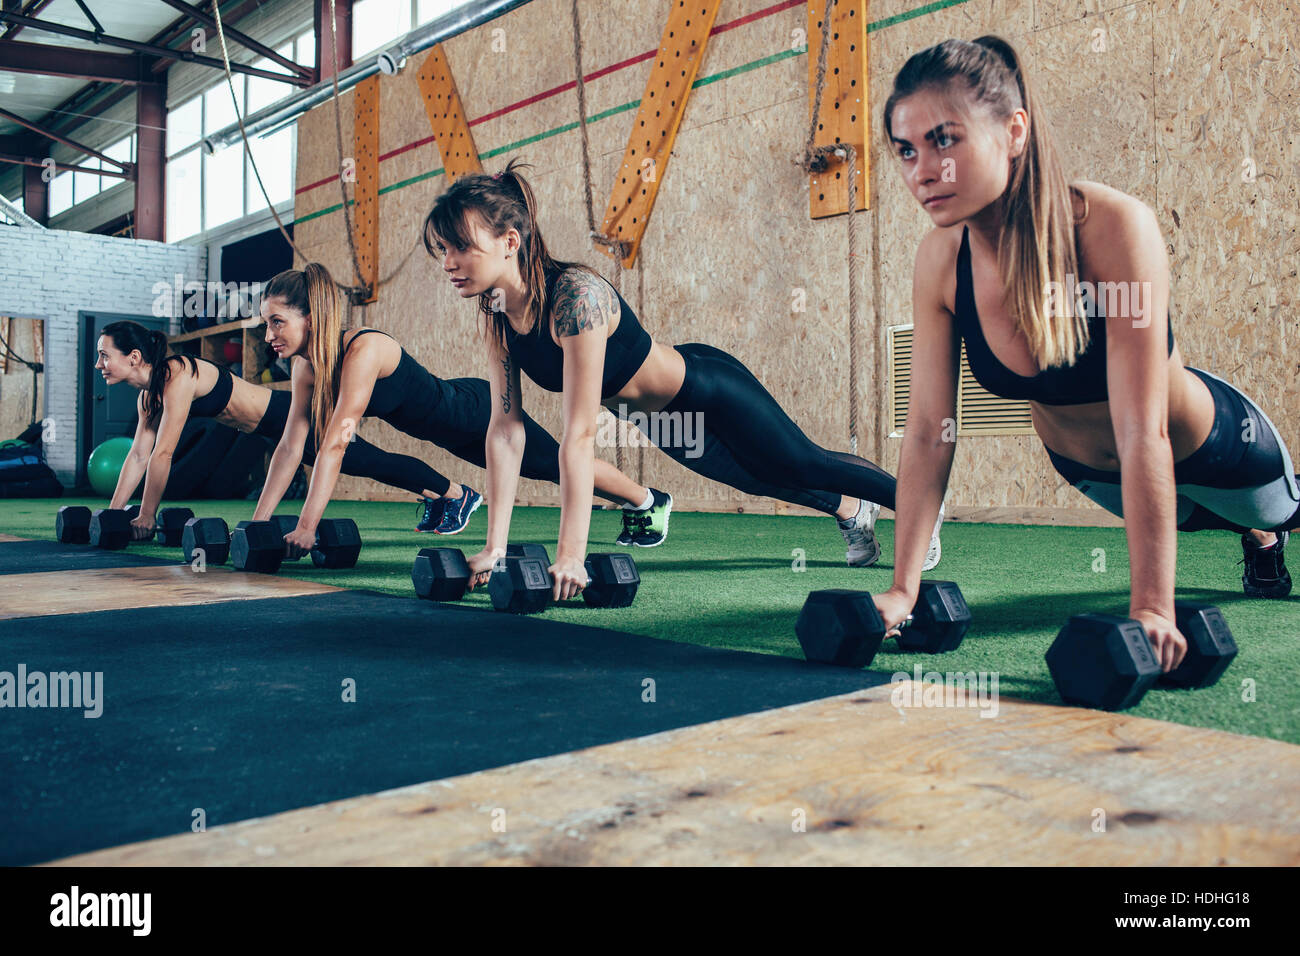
(537, 354)
(410, 398)
(1077, 384)
(215, 402)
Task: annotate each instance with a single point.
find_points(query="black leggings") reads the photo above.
(460, 428)
(751, 444)
(1240, 478)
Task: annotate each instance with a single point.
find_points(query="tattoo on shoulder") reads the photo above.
(582, 301)
(505, 394)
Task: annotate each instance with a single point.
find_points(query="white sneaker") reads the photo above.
(935, 551)
(860, 536)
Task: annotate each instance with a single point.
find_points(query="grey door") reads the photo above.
(105, 411)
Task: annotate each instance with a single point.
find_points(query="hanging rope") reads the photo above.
(816, 159)
(352, 291)
(362, 287)
(621, 247)
(357, 294)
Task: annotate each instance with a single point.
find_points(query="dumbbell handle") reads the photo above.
(905, 622)
(500, 565)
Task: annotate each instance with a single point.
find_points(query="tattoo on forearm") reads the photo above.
(582, 301)
(505, 394)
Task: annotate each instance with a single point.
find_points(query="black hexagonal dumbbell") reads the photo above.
(338, 541)
(843, 627)
(612, 580)
(440, 574)
(171, 526)
(1108, 663)
(72, 525)
(338, 544)
(207, 536)
(1210, 645)
(521, 582)
(110, 528)
(285, 524)
(256, 546)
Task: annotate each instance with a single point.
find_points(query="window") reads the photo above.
(184, 195)
(306, 52)
(431, 9)
(218, 108)
(377, 23)
(223, 186)
(206, 191)
(274, 156)
(123, 150)
(60, 193)
(184, 125)
(263, 92)
(85, 185)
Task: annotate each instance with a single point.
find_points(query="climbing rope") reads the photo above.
(816, 159)
(621, 247)
(356, 294)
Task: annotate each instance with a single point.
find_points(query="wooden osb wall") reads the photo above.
(1169, 112)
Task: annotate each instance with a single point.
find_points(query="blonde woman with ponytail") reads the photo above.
(340, 377)
(1062, 296)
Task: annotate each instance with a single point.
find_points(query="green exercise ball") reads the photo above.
(106, 463)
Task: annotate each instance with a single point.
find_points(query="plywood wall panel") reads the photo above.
(1168, 112)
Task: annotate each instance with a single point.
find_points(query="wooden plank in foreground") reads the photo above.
(112, 589)
(876, 786)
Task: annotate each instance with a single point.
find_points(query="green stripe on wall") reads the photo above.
(635, 104)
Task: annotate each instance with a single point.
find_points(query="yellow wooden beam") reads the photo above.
(366, 140)
(645, 161)
(447, 116)
(845, 104)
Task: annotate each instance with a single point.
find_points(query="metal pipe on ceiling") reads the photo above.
(271, 118)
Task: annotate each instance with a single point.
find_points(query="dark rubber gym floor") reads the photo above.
(30, 557)
(237, 708)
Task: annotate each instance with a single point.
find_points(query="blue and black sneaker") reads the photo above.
(455, 515)
(431, 510)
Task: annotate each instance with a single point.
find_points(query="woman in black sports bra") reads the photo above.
(177, 387)
(1095, 358)
(536, 309)
(339, 378)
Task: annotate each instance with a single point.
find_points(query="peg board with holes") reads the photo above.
(365, 128)
(845, 102)
(447, 116)
(657, 119)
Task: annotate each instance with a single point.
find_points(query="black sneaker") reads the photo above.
(1266, 575)
(633, 523)
(431, 513)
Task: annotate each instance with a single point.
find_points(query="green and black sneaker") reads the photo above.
(652, 524)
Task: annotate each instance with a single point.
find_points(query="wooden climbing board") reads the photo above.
(845, 104)
(645, 161)
(366, 147)
(447, 116)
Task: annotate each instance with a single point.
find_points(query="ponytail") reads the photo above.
(1036, 247)
(313, 292)
(131, 337)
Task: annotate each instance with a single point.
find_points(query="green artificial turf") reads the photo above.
(730, 581)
